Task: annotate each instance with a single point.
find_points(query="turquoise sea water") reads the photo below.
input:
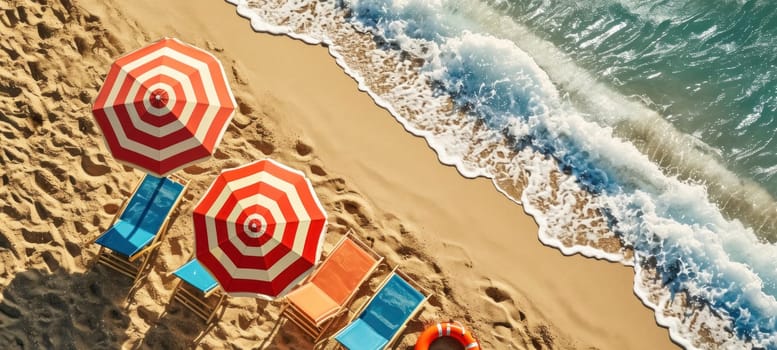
(707, 67)
(659, 114)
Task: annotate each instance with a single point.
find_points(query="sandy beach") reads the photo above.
(460, 238)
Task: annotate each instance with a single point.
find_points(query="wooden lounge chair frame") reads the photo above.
(196, 301)
(425, 292)
(127, 266)
(307, 324)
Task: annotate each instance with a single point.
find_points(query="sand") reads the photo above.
(477, 251)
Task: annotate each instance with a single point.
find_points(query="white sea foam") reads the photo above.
(484, 105)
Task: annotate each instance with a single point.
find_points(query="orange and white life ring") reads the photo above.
(451, 329)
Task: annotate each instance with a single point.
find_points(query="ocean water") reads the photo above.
(640, 132)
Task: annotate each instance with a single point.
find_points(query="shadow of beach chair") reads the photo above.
(139, 226)
(205, 288)
(380, 321)
(328, 292)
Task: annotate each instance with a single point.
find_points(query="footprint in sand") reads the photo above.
(317, 170)
(49, 185)
(407, 251)
(220, 155)
(242, 118)
(10, 19)
(147, 315)
(34, 66)
(46, 181)
(51, 261)
(542, 338)
(502, 298)
(19, 127)
(263, 145)
(94, 168)
(81, 228)
(244, 320)
(339, 184)
(36, 236)
(260, 138)
(58, 171)
(509, 322)
(6, 245)
(111, 208)
(6, 133)
(195, 170)
(176, 247)
(13, 211)
(45, 31)
(303, 149)
(357, 208)
(74, 249)
(83, 45)
(6, 46)
(42, 211)
(10, 89)
(15, 156)
(497, 295)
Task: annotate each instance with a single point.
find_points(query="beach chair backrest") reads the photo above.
(152, 202)
(392, 306)
(343, 271)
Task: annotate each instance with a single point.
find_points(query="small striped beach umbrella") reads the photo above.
(259, 229)
(164, 106)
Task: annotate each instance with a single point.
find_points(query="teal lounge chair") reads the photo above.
(383, 318)
(205, 286)
(138, 227)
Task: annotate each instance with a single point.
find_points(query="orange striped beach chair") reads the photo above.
(328, 292)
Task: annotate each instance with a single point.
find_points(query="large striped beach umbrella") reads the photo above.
(164, 106)
(259, 229)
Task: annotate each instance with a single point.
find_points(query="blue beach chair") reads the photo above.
(205, 285)
(383, 318)
(138, 227)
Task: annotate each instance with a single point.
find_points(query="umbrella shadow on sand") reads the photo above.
(179, 328)
(61, 310)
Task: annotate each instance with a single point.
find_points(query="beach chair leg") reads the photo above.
(216, 308)
(98, 256)
(149, 254)
(319, 343)
(320, 338)
(321, 332)
(175, 290)
(142, 268)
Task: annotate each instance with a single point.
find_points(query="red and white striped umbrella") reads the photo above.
(164, 106)
(259, 229)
